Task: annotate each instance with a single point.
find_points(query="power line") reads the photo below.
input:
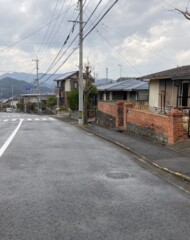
(30, 35)
(48, 27)
(100, 19)
(152, 52)
(60, 65)
(56, 60)
(75, 39)
(54, 26)
(119, 53)
(92, 13)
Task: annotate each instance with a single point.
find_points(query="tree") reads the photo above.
(20, 106)
(90, 91)
(52, 101)
(73, 100)
(185, 13)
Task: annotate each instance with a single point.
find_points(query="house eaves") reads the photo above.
(174, 73)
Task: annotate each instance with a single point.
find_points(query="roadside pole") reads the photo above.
(81, 115)
(37, 83)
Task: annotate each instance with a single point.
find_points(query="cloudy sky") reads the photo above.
(133, 39)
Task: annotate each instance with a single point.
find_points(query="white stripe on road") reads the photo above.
(52, 119)
(9, 140)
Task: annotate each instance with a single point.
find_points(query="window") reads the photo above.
(75, 85)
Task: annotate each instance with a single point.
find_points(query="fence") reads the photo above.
(167, 128)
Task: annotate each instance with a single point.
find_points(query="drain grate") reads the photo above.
(117, 175)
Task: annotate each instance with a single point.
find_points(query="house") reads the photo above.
(30, 98)
(64, 85)
(67, 83)
(168, 117)
(129, 89)
(11, 102)
(169, 89)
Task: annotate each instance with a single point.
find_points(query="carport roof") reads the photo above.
(174, 74)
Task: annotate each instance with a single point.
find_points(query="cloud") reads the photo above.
(143, 37)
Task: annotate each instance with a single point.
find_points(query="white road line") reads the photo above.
(52, 119)
(29, 119)
(13, 120)
(9, 140)
(5, 120)
(44, 119)
(37, 119)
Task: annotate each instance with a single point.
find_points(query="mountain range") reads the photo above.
(14, 84)
(10, 87)
(46, 79)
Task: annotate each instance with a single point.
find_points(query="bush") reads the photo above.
(73, 100)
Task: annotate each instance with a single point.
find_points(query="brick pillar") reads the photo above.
(119, 113)
(127, 108)
(175, 129)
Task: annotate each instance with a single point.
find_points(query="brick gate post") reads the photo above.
(175, 130)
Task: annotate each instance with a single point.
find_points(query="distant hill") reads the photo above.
(48, 78)
(10, 86)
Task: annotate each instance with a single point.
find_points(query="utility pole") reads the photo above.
(12, 93)
(120, 66)
(37, 83)
(81, 115)
(106, 75)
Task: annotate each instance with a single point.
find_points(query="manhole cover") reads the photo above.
(117, 175)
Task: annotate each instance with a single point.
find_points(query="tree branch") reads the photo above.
(186, 14)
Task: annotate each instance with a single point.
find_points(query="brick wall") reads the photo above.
(163, 128)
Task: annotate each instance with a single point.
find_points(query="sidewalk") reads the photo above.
(171, 158)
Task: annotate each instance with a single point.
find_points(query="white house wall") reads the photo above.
(154, 95)
(67, 85)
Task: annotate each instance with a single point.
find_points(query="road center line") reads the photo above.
(9, 140)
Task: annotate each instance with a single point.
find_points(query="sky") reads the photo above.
(132, 38)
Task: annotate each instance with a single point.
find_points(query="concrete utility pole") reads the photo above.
(120, 66)
(81, 117)
(37, 82)
(12, 94)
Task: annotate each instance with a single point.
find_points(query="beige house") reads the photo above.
(169, 89)
(64, 85)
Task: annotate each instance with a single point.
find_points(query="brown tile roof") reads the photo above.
(174, 73)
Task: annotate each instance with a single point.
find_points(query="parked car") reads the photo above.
(8, 110)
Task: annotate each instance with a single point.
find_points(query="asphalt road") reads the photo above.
(60, 182)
